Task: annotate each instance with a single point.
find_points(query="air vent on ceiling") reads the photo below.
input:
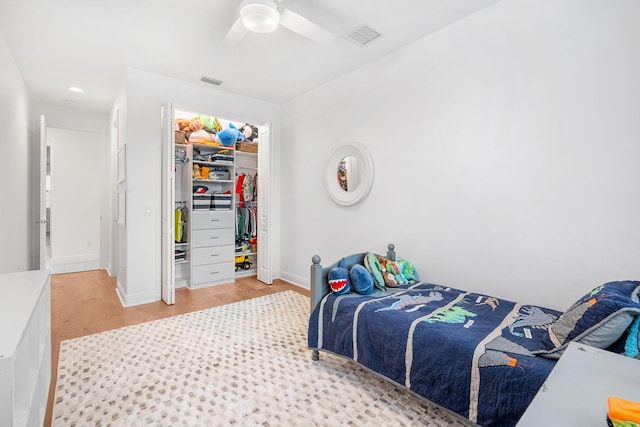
(363, 35)
(212, 81)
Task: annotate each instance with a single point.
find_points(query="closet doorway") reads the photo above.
(215, 200)
(76, 185)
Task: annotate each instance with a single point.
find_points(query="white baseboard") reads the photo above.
(74, 267)
(75, 263)
(303, 282)
(71, 259)
(131, 300)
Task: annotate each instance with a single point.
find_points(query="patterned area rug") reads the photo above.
(240, 364)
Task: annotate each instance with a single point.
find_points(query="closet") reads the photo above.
(214, 228)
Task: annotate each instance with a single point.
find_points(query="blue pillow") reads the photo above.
(361, 279)
(339, 279)
(597, 319)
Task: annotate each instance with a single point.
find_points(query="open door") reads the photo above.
(168, 195)
(264, 206)
(44, 257)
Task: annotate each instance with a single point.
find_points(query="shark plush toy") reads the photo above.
(229, 137)
(339, 279)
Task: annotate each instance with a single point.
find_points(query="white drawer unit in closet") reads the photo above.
(211, 254)
(213, 237)
(213, 219)
(213, 274)
(212, 248)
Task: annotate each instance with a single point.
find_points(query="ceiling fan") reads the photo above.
(264, 16)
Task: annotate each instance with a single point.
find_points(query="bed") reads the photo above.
(479, 356)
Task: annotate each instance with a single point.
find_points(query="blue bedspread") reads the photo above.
(467, 352)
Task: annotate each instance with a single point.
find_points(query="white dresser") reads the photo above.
(25, 347)
(576, 391)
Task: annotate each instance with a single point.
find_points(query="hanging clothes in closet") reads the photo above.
(239, 185)
(247, 188)
(246, 226)
(246, 211)
(181, 218)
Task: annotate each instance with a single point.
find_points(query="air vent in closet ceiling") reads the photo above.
(363, 35)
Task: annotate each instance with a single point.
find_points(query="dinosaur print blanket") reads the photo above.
(468, 352)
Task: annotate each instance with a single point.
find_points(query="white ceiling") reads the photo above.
(89, 43)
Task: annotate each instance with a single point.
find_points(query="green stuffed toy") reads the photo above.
(407, 270)
(207, 123)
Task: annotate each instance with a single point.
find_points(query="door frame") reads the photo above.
(265, 165)
(167, 202)
(44, 258)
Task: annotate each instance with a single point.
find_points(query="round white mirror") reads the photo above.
(349, 174)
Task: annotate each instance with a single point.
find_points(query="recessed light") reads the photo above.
(76, 89)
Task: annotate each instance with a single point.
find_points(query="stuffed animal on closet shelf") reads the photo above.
(196, 172)
(250, 132)
(201, 137)
(188, 125)
(209, 124)
(229, 137)
(182, 124)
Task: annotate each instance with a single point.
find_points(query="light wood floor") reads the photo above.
(86, 303)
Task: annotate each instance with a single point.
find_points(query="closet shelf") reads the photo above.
(205, 163)
(214, 147)
(214, 180)
(246, 253)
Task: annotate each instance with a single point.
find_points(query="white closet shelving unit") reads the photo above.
(207, 242)
(212, 225)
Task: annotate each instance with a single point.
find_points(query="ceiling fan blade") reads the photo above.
(304, 27)
(236, 33)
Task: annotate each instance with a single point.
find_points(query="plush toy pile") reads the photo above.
(376, 273)
(208, 130)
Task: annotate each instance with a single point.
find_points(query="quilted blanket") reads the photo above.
(468, 352)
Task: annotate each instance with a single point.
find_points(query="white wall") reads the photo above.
(77, 192)
(145, 93)
(505, 148)
(71, 118)
(15, 213)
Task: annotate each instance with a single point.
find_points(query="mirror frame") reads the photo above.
(351, 197)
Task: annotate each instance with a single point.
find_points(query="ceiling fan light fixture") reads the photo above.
(260, 16)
